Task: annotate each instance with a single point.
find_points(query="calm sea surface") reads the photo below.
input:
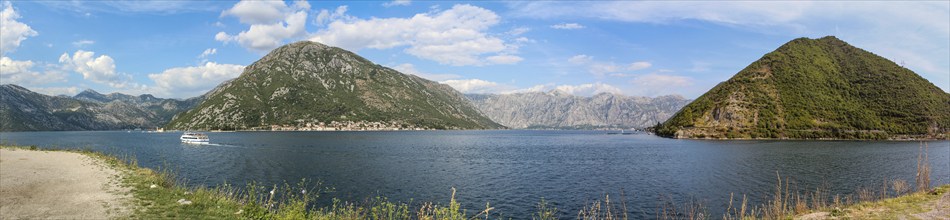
(514, 169)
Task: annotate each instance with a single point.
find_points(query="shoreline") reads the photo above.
(929, 138)
(805, 139)
(650, 134)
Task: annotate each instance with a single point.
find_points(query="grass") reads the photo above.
(158, 195)
(788, 202)
(894, 208)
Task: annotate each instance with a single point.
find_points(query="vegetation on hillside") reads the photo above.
(817, 88)
(307, 82)
(25, 110)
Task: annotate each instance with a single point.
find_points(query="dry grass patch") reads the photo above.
(904, 207)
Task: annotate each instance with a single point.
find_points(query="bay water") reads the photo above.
(515, 169)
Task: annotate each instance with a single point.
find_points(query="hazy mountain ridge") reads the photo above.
(560, 110)
(817, 88)
(308, 83)
(25, 110)
(165, 109)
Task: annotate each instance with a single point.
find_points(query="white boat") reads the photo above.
(194, 138)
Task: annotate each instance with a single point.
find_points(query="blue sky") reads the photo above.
(181, 49)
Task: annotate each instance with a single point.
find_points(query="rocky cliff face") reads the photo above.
(306, 83)
(817, 88)
(559, 110)
(24, 110)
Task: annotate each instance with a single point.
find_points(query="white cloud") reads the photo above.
(504, 59)
(12, 67)
(567, 26)
(271, 23)
(208, 52)
(456, 36)
(203, 57)
(22, 73)
(601, 69)
(652, 84)
(12, 32)
(83, 43)
(408, 68)
(477, 86)
(301, 5)
(326, 16)
(55, 91)
(660, 84)
(223, 37)
(97, 69)
(588, 89)
(397, 3)
(523, 40)
(258, 12)
(665, 80)
(518, 31)
(639, 66)
(182, 82)
(536, 88)
(580, 59)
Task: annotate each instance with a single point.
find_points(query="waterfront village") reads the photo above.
(333, 126)
(302, 125)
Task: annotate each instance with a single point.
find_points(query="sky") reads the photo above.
(182, 49)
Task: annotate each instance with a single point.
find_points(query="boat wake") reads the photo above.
(211, 144)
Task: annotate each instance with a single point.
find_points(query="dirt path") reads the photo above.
(58, 185)
(941, 209)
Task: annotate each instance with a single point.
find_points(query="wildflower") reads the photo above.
(303, 191)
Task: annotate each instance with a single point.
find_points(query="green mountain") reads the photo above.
(25, 110)
(817, 88)
(307, 83)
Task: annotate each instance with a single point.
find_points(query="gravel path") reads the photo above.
(59, 185)
(941, 209)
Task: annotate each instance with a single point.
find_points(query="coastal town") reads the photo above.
(302, 125)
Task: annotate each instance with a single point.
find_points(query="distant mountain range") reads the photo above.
(807, 88)
(559, 110)
(24, 110)
(308, 85)
(817, 88)
(164, 109)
